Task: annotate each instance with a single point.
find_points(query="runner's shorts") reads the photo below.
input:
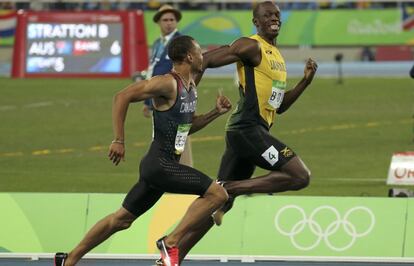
(159, 174)
(251, 147)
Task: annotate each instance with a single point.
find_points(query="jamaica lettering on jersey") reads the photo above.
(261, 89)
(171, 127)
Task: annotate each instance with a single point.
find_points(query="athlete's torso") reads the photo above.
(171, 127)
(261, 89)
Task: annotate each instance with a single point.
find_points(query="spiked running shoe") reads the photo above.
(60, 258)
(158, 262)
(169, 255)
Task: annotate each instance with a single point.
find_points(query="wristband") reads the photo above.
(118, 141)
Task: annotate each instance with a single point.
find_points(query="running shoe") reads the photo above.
(169, 255)
(60, 258)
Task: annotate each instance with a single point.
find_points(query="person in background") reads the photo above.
(367, 55)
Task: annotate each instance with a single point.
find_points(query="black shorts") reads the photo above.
(159, 174)
(251, 147)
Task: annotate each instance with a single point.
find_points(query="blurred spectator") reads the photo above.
(58, 5)
(122, 5)
(302, 5)
(239, 6)
(367, 55)
(36, 5)
(391, 4)
(193, 5)
(112, 5)
(7, 5)
(61, 5)
(363, 4)
(153, 4)
(135, 6)
(22, 5)
(91, 5)
(342, 4)
(324, 4)
(107, 5)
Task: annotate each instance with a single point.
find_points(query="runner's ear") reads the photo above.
(254, 20)
(189, 58)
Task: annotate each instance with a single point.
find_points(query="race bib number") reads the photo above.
(181, 137)
(278, 91)
(276, 97)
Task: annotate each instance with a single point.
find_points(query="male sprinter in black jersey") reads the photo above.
(174, 97)
(262, 88)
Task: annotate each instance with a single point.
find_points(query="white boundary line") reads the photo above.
(221, 258)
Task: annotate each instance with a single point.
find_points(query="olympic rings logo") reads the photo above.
(325, 232)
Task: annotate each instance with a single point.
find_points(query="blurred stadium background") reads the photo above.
(346, 127)
(346, 132)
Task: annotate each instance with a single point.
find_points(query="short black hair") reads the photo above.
(179, 47)
(257, 7)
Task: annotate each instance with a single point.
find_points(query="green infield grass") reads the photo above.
(54, 134)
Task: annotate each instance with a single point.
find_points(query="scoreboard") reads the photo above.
(79, 44)
(73, 48)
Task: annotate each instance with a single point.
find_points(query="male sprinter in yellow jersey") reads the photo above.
(262, 74)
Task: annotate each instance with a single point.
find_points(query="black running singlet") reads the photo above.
(160, 170)
(171, 127)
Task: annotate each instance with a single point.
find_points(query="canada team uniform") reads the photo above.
(248, 141)
(159, 169)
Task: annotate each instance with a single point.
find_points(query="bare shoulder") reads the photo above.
(166, 80)
(246, 41)
(162, 85)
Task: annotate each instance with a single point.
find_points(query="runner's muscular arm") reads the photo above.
(292, 95)
(243, 49)
(223, 105)
(157, 87)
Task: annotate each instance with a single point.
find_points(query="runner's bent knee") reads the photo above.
(217, 194)
(122, 220)
(301, 179)
(299, 173)
(304, 179)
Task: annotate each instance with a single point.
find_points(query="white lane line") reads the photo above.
(38, 104)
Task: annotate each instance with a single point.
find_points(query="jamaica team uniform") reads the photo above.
(248, 141)
(159, 169)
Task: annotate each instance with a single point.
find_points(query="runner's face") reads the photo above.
(167, 23)
(197, 55)
(268, 20)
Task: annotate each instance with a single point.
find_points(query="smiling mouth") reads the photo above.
(275, 27)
